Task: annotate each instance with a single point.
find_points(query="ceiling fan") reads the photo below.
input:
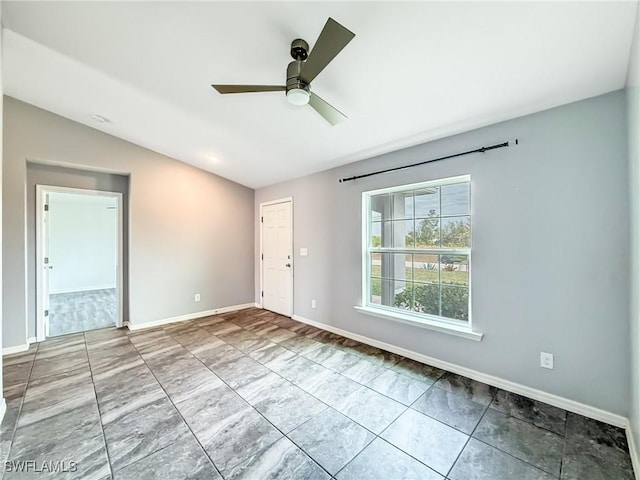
(305, 67)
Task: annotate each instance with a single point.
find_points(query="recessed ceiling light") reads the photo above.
(99, 118)
(212, 157)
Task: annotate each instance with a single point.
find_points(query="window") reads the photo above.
(417, 250)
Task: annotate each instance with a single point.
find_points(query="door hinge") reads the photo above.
(262, 219)
(262, 293)
(46, 313)
(46, 208)
(262, 256)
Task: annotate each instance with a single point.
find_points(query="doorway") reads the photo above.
(276, 249)
(79, 257)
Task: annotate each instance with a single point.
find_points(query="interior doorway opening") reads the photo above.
(79, 260)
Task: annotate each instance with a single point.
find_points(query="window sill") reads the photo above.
(458, 330)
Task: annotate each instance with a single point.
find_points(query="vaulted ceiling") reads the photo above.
(415, 71)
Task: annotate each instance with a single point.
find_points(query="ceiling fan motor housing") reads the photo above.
(293, 70)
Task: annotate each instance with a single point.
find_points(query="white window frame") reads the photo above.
(434, 322)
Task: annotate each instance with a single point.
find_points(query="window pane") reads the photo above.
(427, 234)
(425, 268)
(375, 294)
(455, 302)
(402, 203)
(402, 295)
(380, 209)
(375, 268)
(401, 229)
(455, 199)
(409, 238)
(456, 232)
(427, 202)
(376, 234)
(396, 234)
(401, 268)
(387, 234)
(427, 298)
(454, 269)
(391, 265)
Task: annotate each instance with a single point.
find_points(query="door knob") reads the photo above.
(288, 265)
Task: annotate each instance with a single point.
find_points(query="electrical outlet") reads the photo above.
(546, 360)
(313, 303)
(196, 297)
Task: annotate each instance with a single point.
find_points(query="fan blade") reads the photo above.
(333, 38)
(330, 113)
(248, 88)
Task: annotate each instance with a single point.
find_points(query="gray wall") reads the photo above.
(38, 174)
(190, 231)
(550, 250)
(633, 120)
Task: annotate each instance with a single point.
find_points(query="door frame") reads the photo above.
(293, 263)
(41, 191)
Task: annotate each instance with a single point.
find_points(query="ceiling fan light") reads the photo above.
(298, 96)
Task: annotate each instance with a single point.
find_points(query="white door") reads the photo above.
(277, 261)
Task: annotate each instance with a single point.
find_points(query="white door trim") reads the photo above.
(266, 204)
(273, 202)
(41, 191)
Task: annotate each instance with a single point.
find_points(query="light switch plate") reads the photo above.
(303, 251)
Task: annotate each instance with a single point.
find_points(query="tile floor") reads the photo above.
(253, 395)
(81, 311)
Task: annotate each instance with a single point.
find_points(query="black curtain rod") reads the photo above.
(477, 150)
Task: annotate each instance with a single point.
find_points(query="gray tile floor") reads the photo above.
(254, 395)
(81, 311)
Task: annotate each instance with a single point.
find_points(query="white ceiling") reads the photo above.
(415, 71)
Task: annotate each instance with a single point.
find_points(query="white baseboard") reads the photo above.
(555, 400)
(189, 316)
(635, 459)
(15, 349)
(19, 348)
